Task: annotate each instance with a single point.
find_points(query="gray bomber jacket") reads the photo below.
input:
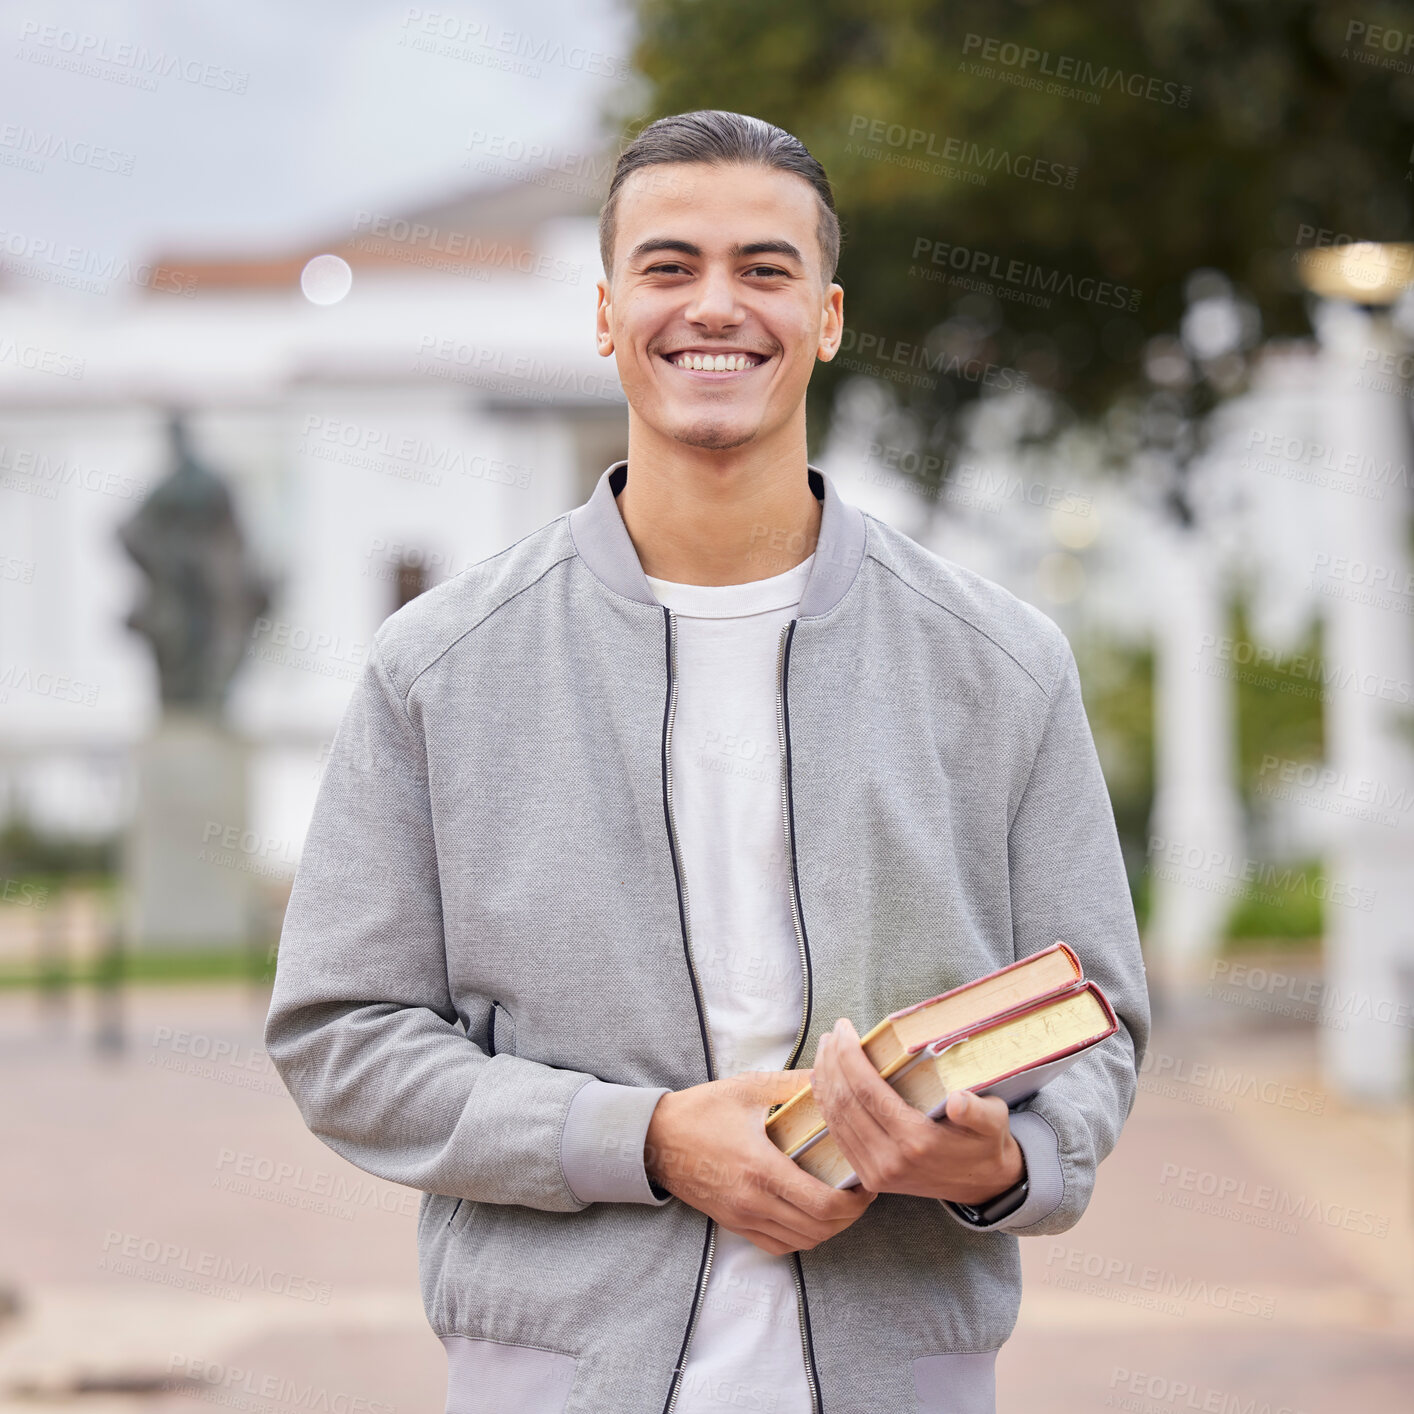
(485, 981)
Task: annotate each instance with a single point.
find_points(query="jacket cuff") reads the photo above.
(1040, 1150)
(601, 1146)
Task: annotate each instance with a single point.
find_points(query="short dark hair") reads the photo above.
(716, 137)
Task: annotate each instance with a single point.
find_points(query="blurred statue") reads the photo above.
(202, 594)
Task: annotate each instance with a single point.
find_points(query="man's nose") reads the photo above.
(714, 301)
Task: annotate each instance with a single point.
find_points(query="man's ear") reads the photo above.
(603, 310)
(832, 326)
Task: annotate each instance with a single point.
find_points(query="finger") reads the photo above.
(779, 1216)
(767, 1087)
(776, 1249)
(981, 1114)
(809, 1194)
(753, 1225)
(876, 1096)
(777, 1243)
(857, 1133)
(811, 1206)
(808, 1236)
(863, 1099)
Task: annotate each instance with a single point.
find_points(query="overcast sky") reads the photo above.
(341, 111)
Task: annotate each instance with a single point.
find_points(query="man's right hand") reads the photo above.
(707, 1145)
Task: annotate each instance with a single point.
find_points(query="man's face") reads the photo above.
(709, 261)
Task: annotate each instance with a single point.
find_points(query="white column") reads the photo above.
(1366, 603)
(1195, 830)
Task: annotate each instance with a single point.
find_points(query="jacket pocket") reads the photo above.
(502, 1029)
(461, 1215)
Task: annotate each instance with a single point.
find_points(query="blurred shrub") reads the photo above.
(26, 853)
(1117, 684)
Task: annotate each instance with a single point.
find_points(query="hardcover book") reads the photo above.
(901, 1035)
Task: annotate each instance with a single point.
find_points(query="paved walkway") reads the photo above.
(1248, 1248)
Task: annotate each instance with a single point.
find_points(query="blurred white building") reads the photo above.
(450, 403)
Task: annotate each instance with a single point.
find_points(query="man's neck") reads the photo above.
(704, 517)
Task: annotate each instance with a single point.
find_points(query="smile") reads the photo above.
(720, 364)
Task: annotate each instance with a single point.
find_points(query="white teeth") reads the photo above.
(717, 363)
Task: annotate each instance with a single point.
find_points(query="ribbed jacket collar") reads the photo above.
(603, 543)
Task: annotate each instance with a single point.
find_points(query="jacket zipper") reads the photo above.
(798, 1271)
(704, 1270)
(802, 1308)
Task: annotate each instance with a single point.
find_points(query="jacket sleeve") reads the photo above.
(1068, 883)
(362, 1026)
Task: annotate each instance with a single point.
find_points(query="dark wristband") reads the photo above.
(1002, 1206)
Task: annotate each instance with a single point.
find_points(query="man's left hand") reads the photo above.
(967, 1155)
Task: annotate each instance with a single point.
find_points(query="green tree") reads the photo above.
(1191, 134)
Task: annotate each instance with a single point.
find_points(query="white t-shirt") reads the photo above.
(746, 1350)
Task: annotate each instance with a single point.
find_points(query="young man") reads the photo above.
(620, 821)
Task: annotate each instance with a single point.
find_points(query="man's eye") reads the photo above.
(666, 265)
(767, 269)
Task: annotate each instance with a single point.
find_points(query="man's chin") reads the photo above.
(714, 435)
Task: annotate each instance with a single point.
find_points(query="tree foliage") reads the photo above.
(1220, 134)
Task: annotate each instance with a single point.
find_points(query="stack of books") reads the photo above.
(1006, 1034)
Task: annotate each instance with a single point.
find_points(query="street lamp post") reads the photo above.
(1366, 600)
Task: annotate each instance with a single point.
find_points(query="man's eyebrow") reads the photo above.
(665, 243)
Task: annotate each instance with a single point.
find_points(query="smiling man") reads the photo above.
(625, 820)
